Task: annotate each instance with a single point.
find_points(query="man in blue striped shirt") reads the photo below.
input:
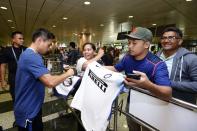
(152, 70)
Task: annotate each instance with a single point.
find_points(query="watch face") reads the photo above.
(67, 82)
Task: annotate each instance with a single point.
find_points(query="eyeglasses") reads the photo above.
(169, 38)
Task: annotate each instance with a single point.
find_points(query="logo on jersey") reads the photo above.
(99, 82)
(97, 66)
(107, 76)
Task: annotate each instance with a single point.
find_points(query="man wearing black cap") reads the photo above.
(152, 70)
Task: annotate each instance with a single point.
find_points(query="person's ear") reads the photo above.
(39, 40)
(147, 44)
(180, 42)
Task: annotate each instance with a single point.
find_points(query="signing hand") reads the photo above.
(70, 72)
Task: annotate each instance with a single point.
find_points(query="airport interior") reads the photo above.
(100, 65)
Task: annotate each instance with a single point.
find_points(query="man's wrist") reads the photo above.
(149, 85)
(98, 57)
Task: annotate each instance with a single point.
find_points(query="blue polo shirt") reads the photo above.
(29, 90)
(151, 65)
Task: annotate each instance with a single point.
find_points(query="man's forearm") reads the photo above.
(96, 58)
(186, 86)
(163, 92)
(111, 68)
(3, 67)
(56, 79)
(53, 80)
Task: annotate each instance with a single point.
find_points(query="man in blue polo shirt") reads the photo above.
(153, 71)
(31, 78)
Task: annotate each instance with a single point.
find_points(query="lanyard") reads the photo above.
(15, 54)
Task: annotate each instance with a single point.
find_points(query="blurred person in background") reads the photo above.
(108, 58)
(10, 56)
(73, 54)
(1, 49)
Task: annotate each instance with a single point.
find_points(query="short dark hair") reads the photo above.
(110, 49)
(72, 44)
(41, 32)
(174, 29)
(91, 44)
(15, 33)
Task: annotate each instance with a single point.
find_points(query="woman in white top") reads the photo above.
(89, 55)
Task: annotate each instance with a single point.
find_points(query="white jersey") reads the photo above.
(79, 66)
(66, 87)
(94, 98)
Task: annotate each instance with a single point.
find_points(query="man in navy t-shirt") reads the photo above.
(31, 78)
(152, 70)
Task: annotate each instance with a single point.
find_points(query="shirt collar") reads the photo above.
(163, 57)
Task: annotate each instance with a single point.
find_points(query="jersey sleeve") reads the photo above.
(161, 76)
(80, 63)
(36, 67)
(121, 65)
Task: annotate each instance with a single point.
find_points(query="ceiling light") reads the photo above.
(101, 24)
(154, 24)
(125, 126)
(54, 26)
(130, 16)
(10, 21)
(64, 18)
(4, 8)
(188, 0)
(87, 2)
(13, 27)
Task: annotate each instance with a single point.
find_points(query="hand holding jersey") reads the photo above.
(100, 52)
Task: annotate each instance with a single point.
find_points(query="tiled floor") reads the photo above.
(55, 114)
